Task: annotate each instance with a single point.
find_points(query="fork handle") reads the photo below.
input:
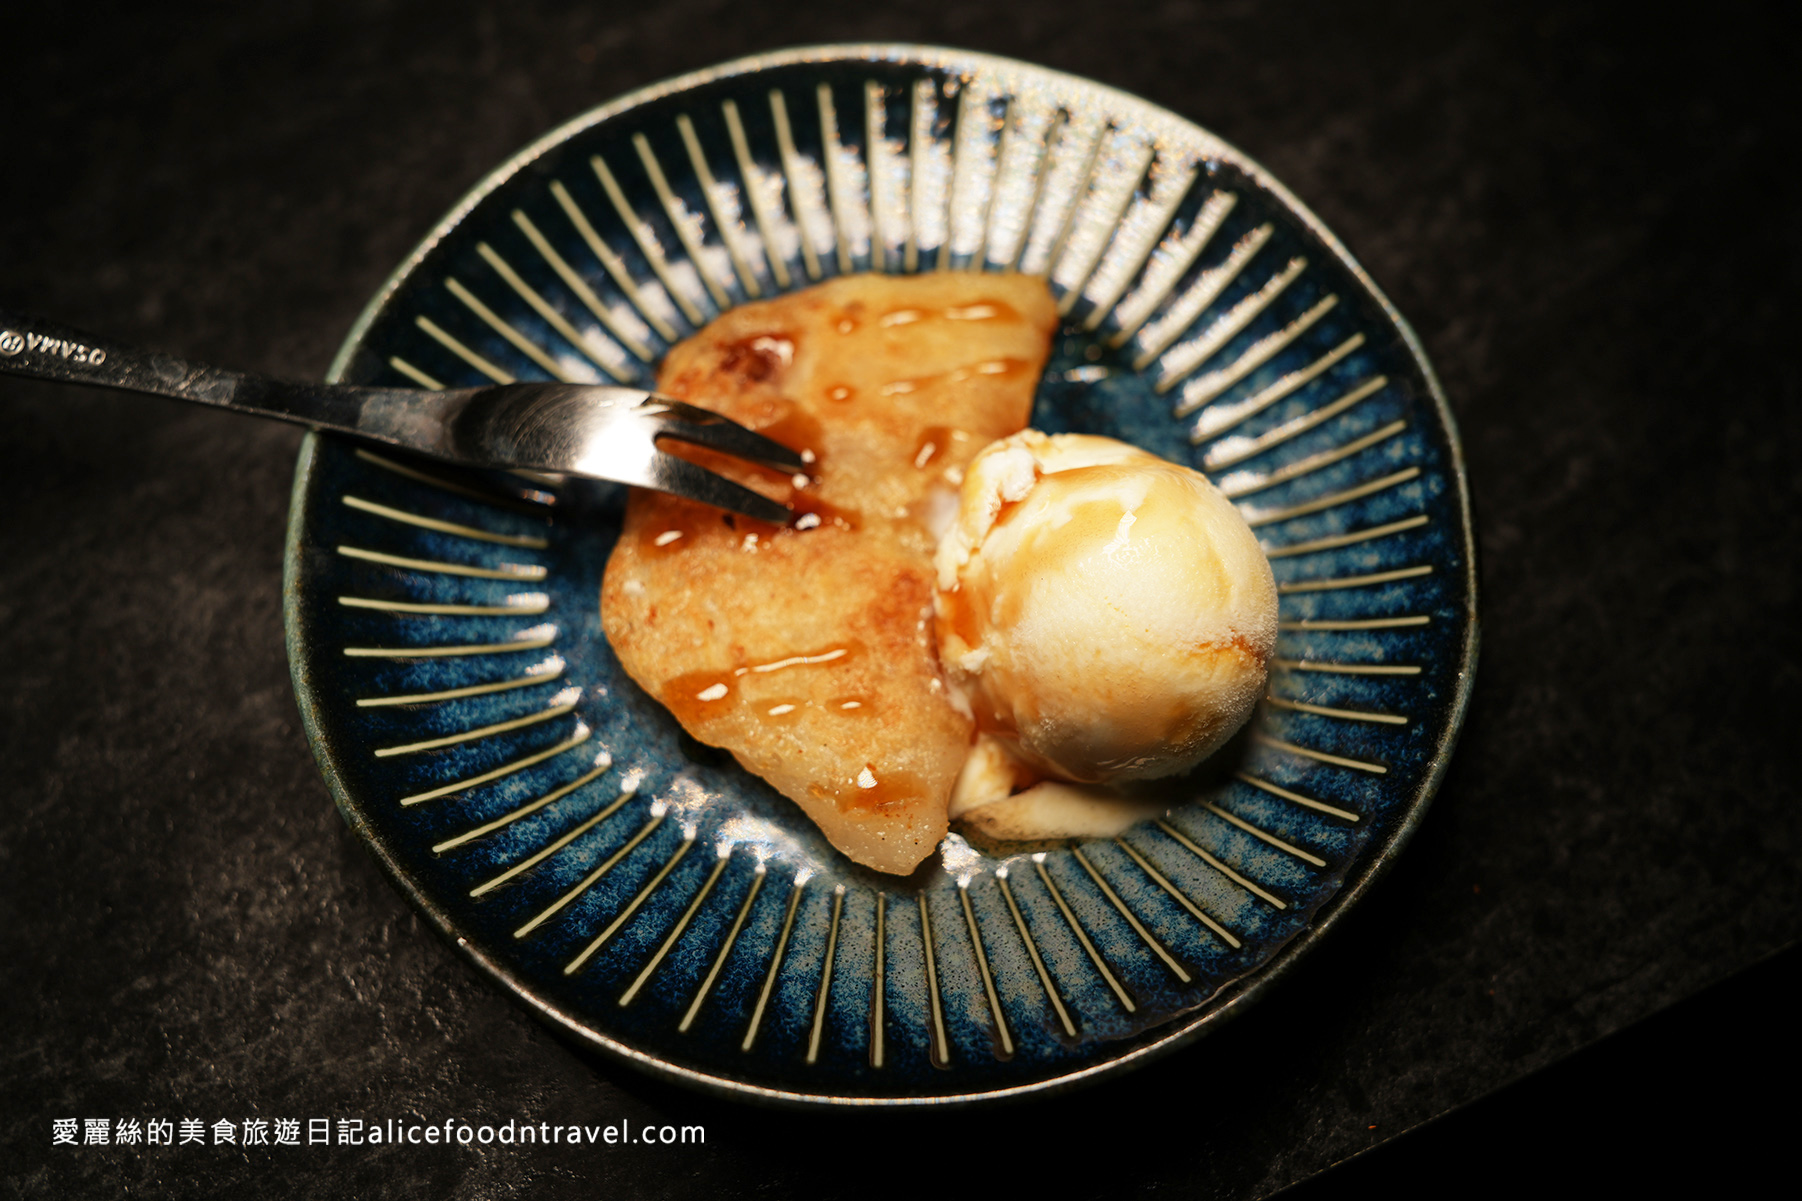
(34, 348)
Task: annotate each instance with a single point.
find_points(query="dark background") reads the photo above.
(1590, 219)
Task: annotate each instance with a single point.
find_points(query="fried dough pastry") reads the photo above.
(808, 652)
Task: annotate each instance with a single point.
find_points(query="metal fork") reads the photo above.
(600, 432)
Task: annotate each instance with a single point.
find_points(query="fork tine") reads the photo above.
(682, 478)
(685, 423)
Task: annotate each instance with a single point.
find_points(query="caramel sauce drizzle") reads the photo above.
(868, 792)
(683, 527)
(760, 357)
(697, 696)
(957, 375)
(935, 442)
(981, 310)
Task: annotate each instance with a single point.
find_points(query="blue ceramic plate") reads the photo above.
(643, 892)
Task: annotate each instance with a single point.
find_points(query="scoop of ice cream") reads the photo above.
(1107, 614)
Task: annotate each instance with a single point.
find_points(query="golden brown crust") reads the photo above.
(809, 653)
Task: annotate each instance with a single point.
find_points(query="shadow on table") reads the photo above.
(1702, 1093)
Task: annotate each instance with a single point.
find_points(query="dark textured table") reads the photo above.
(1592, 225)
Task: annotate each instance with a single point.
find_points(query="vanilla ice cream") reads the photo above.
(1106, 614)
